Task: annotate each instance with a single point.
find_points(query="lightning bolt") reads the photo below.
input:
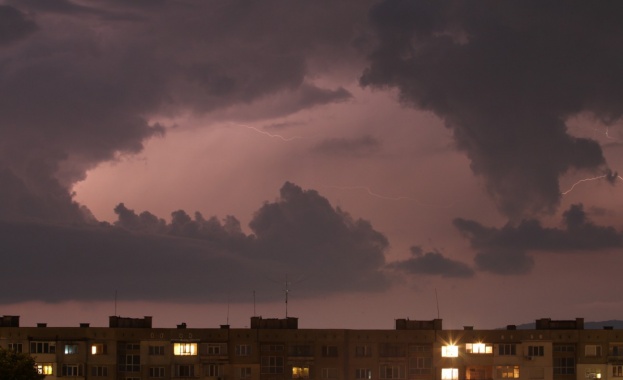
(388, 198)
(587, 180)
(275, 136)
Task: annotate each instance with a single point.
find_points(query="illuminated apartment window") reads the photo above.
(45, 368)
(329, 373)
(184, 349)
(15, 347)
(156, 350)
(478, 348)
(243, 350)
(617, 371)
(99, 371)
(244, 372)
(507, 372)
(363, 351)
(536, 350)
(71, 349)
(592, 373)
(42, 347)
(300, 372)
(363, 373)
(507, 349)
(478, 372)
(450, 351)
(449, 374)
(391, 371)
(98, 349)
(592, 350)
(156, 372)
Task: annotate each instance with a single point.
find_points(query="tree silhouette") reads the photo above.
(17, 366)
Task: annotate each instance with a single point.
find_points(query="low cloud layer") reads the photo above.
(504, 76)
(196, 259)
(506, 250)
(356, 147)
(432, 263)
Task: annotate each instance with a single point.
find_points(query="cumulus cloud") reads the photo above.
(506, 250)
(195, 259)
(504, 76)
(360, 146)
(432, 263)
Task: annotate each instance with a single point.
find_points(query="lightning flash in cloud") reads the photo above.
(275, 136)
(610, 177)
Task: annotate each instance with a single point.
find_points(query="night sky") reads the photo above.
(376, 159)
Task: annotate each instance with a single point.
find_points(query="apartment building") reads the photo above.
(276, 349)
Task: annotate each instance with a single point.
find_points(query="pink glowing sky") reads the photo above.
(392, 159)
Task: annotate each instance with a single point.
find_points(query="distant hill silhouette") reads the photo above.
(615, 323)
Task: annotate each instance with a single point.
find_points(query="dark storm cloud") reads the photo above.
(361, 146)
(196, 259)
(84, 88)
(505, 250)
(14, 25)
(504, 76)
(432, 263)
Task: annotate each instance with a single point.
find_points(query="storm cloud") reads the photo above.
(432, 263)
(504, 77)
(506, 250)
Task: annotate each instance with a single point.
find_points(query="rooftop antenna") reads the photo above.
(287, 291)
(437, 298)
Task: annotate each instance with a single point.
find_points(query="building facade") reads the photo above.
(276, 349)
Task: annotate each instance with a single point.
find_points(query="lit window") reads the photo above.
(71, 349)
(300, 372)
(507, 371)
(592, 373)
(98, 349)
(478, 348)
(449, 374)
(45, 369)
(450, 351)
(184, 349)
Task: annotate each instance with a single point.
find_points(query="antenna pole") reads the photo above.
(286, 296)
(437, 298)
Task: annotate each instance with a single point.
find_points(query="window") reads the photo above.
(329, 351)
(185, 370)
(70, 370)
(592, 373)
(616, 350)
(420, 366)
(300, 350)
(363, 373)
(184, 349)
(272, 364)
(272, 347)
(564, 348)
(507, 349)
(300, 372)
(392, 350)
(45, 368)
(478, 348)
(244, 372)
(243, 350)
(450, 351)
(478, 372)
(130, 363)
(536, 350)
(617, 371)
(99, 371)
(71, 349)
(329, 373)
(391, 371)
(564, 366)
(132, 346)
(15, 347)
(156, 372)
(361, 351)
(42, 347)
(507, 371)
(213, 370)
(592, 350)
(419, 350)
(216, 349)
(449, 374)
(156, 350)
(98, 349)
